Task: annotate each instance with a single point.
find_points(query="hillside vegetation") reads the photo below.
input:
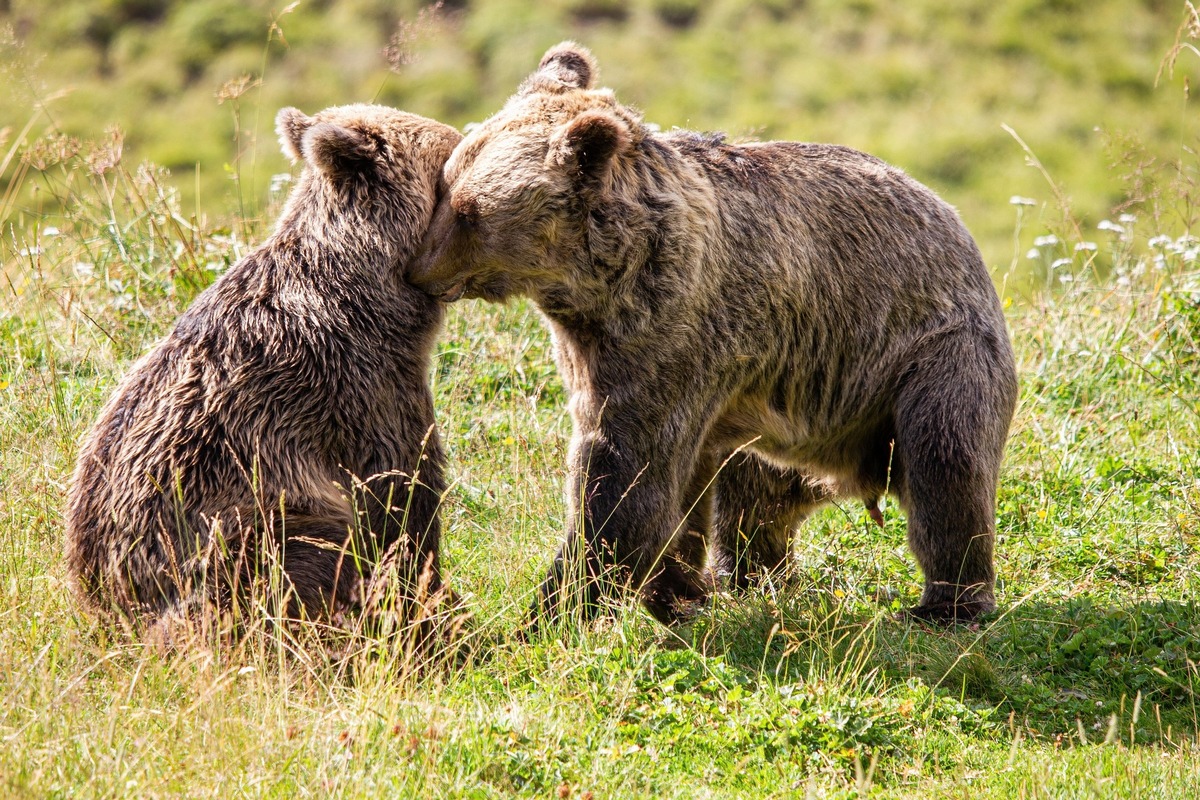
(928, 85)
(1083, 683)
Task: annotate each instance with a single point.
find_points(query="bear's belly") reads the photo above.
(754, 424)
(846, 456)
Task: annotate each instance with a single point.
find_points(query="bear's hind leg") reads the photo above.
(758, 506)
(952, 420)
(321, 567)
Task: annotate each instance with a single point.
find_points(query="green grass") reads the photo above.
(1083, 684)
(1084, 681)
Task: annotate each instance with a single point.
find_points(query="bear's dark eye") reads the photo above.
(468, 212)
(467, 220)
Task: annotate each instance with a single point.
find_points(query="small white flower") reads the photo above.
(50, 230)
(1123, 281)
(1127, 219)
(83, 269)
(1089, 246)
(1049, 240)
(279, 180)
(1017, 200)
(1060, 262)
(1034, 254)
(1109, 225)
(1159, 241)
(27, 252)
(1066, 278)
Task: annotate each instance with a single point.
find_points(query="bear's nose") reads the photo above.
(453, 293)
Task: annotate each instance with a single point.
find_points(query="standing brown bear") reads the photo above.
(288, 414)
(807, 303)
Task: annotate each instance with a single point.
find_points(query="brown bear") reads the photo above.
(288, 412)
(803, 321)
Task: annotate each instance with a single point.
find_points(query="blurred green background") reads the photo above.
(925, 84)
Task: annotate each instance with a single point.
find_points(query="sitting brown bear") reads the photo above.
(801, 320)
(287, 416)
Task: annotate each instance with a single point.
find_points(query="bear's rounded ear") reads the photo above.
(290, 124)
(565, 66)
(589, 142)
(338, 151)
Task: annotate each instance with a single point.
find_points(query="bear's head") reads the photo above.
(371, 177)
(539, 198)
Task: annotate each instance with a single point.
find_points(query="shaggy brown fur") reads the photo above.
(288, 412)
(805, 302)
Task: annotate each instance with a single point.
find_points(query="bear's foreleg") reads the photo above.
(626, 522)
(684, 578)
(401, 528)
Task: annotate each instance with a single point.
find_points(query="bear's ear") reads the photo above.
(290, 124)
(338, 151)
(589, 142)
(565, 66)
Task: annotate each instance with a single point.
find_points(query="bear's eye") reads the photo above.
(468, 212)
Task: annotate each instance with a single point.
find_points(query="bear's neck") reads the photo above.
(648, 235)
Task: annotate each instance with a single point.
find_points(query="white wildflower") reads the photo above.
(1034, 254)
(1017, 200)
(1049, 240)
(1089, 246)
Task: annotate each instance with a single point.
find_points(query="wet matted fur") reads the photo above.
(286, 419)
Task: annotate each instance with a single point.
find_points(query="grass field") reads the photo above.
(1083, 684)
